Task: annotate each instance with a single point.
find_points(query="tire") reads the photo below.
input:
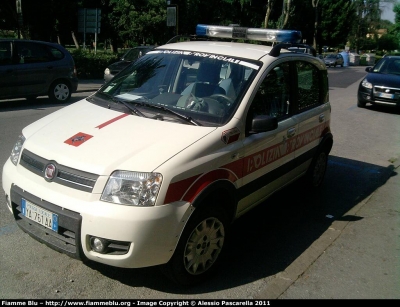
(200, 247)
(360, 104)
(316, 172)
(60, 91)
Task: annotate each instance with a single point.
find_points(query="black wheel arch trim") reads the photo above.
(223, 190)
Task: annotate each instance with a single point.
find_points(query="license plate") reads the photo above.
(39, 215)
(385, 95)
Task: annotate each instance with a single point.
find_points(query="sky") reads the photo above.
(387, 11)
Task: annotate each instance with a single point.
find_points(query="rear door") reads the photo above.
(313, 110)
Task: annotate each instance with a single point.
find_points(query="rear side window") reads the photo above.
(57, 54)
(29, 52)
(309, 85)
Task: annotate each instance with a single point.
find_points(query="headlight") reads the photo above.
(16, 151)
(107, 71)
(132, 188)
(366, 84)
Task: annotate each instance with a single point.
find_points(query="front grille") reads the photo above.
(381, 91)
(66, 240)
(67, 176)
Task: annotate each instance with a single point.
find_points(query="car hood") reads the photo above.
(388, 80)
(98, 140)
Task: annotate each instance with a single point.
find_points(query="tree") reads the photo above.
(395, 31)
(388, 42)
(315, 6)
(334, 32)
(366, 20)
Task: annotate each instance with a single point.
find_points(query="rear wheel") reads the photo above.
(199, 249)
(60, 91)
(316, 172)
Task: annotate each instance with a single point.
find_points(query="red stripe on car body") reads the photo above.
(189, 188)
(111, 121)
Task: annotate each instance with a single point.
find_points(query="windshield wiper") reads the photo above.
(127, 105)
(145, 102)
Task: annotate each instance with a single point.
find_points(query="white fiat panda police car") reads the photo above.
(154, 167)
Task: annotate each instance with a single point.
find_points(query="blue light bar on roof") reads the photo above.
(267, 35)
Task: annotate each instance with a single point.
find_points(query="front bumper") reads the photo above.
(139, 236)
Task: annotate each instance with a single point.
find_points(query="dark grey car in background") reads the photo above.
(381, 85)
(29, 69)
(334, 59)
(130, 56)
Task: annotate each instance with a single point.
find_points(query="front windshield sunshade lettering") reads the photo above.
(212, 57)
(78, 139)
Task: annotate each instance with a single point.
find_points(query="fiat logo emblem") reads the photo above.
(50, 171)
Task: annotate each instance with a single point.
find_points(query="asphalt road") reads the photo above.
(340, 243)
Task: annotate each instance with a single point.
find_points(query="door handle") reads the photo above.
(291, 132)
(321, 118)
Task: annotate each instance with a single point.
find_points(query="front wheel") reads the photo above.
(60, 91)
(361, 104)
(199, 249)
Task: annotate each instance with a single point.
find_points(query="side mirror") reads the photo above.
(263, 123)
(368, 69)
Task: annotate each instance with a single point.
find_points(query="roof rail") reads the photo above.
(180, 38)
(276, 50)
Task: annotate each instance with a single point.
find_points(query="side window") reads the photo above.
(57, 54)
(29, 52)
(309, 85)
(5, 53)
(273, 95)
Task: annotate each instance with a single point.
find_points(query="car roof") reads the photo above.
(32, 41)
(392, 57)
(25, 40)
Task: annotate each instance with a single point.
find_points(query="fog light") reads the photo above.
(98, 245)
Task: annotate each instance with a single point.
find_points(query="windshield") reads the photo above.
(388, 66)
(331, 56)
(204, 87)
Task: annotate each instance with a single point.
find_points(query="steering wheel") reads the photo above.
(228, 101)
